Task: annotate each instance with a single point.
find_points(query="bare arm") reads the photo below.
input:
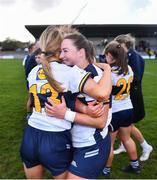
(87, 120)
(84, 119)
(93, 109)
(101, 90)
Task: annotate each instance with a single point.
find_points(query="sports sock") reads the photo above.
(107, 170)
(134, 164)
(144, 145)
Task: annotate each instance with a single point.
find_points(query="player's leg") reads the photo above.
(146, 148)
(120, 149)
(108, 165)
(28, 152)
(35, 172)
(61, 176)
(130, 147)
(73, 176)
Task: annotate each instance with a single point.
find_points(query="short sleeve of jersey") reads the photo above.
(77, 79)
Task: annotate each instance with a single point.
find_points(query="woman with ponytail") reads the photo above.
(47, 140)
(122, 109)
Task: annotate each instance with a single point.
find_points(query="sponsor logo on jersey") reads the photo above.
(40, 74)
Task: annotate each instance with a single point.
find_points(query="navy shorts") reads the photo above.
(88, 162)
(53, 150)
(121, 119)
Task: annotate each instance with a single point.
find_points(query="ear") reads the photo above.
(82, 52)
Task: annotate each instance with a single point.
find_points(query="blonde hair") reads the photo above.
(50, 42)
(127, 39)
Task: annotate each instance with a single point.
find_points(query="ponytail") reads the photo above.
(49, 75)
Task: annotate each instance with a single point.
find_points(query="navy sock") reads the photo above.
(107, 170)
(134, 163)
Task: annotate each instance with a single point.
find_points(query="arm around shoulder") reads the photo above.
(101, 90)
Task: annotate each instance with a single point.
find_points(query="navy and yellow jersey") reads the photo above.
(121, 85)
(83, 136)
(72, 80)
(96, 74)
(83, 98)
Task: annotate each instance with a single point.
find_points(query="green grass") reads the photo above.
(12, 112)
(13, 96)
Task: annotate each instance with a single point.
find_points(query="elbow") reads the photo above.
(104, 96)
(101, 123)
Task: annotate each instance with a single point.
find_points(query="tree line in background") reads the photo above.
(12, 45)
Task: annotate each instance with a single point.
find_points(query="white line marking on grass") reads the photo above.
(150, 74)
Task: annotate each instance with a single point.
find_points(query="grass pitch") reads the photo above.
(13, 96)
